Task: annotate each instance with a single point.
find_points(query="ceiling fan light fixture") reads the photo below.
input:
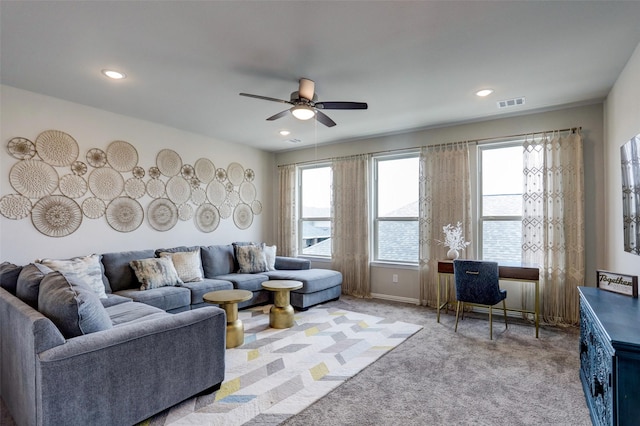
(303, 112)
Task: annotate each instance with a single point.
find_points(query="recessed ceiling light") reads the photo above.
(115, 75)
(285, 132)
(484, 92)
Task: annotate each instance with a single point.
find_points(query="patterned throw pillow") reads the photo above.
(155, 273)
(187, 264)
(251, 259)
(270, 255)
(85, 269)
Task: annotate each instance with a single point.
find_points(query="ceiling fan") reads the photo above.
(305, 104)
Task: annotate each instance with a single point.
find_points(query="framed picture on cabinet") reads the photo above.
(617, 283)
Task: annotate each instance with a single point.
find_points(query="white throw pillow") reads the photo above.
(270, 255)
(85, 269)
(187, 263)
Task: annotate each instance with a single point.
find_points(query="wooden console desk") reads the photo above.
(521, 272)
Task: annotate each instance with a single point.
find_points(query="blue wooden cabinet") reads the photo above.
(610, 356)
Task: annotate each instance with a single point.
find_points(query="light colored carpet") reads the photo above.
(277, 373)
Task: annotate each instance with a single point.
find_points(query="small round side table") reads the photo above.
(281, 313)
(228, 300)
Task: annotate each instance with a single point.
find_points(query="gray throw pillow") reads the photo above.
(72, 306)
(28, 284)
(155, 272)
(9, 276)
(251, 259)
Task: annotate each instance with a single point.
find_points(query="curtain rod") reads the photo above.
(473, 141)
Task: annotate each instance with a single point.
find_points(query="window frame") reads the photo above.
(376, 219)
(481, 218)
(300, 200)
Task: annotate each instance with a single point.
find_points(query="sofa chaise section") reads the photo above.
(148, 361)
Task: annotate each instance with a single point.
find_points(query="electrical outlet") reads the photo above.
(395, 278)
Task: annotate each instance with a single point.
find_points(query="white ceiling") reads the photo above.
(417, 64)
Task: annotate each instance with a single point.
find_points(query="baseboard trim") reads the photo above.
(395, 298)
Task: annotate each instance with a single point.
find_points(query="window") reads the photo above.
(395, 214)
(315, 211)
(500, 219)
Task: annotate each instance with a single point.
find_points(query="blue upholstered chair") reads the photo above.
(477, 283)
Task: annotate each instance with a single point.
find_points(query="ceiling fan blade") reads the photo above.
(321, 117)
(307, 88)
(266, 98)
(341, 105)
(278, 115)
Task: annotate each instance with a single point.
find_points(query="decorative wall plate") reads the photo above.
(207, 218)
(56, 216)
(162, 214)
(73, 186)
(249, 175)
(205, 170)
(185, 212)
(169, 162)
(198, 196)
(233, 198)
(235, 173)
(96, 157)
(14, 206)
(93, 207)
(256, 207)
(242, 216)
(155, 188)
(221, 174)
(247, 192)
(135, 188)
(106, 183)
(21, 148)
(138, 172)
(187, 171)
(122, 156)
(57, 148)
(216, 193)
(229, 187)
(78, 168)
(178, 190)
(124, 214)
(33, 178)
(225, 210)
(154, 172)
(195, 182)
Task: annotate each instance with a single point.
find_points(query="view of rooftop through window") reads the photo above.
(501, 217)
(315, 198)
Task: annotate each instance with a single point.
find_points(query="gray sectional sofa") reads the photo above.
(124, 354)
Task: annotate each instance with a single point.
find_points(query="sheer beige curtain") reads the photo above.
(287, 238)
(553, 222)
(445, 198)
(350, 226)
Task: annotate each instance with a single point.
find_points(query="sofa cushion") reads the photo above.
(127, 313)
(270, 256)
(312, 279)
(28, 284)
(188, 264)
(9, 276)
(166, 298)
(251, 259)
(117, 270)
(114, 299)
(217, 260)
(200, 288)
(71, 305)
(155, 272)
(251, 282)
(87, 269)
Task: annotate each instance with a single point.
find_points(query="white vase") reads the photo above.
(452, 254)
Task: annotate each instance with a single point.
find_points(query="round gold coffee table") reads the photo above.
(228, 300)
(281, 313)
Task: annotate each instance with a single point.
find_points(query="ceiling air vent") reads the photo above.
(295, 140)
(511, 102)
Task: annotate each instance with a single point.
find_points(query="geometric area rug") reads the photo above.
(277, 373)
